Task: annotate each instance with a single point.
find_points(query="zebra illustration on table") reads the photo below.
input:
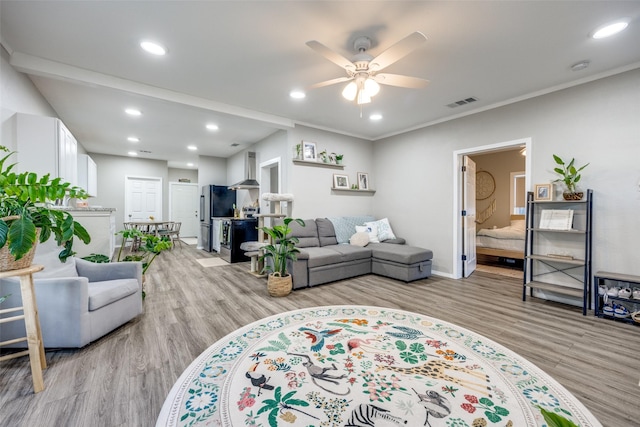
(365, 415)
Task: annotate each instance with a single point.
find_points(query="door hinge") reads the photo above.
(464, 257)
(464, 168)
(464, 213)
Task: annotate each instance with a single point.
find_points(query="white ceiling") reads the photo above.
(234, 63)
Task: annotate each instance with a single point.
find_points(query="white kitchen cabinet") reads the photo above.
(45, 146)
(88, 175)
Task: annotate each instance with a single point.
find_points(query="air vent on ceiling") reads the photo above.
(145, 151)
(235, 144)
(462, 102)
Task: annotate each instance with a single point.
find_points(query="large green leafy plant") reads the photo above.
(570, 175)
(151, 246)
(25, 206)
(281, 248)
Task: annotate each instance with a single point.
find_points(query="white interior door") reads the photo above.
(469, 259)
(143, 198)
(184, 207)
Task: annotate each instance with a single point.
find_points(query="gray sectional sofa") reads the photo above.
(323, 258)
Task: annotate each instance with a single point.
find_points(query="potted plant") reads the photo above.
(324, 156)
(570, 175)
(151, 246)
(282, 248)
(298, 151)
(338, 158)
(26, 210)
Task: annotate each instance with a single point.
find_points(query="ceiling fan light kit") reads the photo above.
(362, 89)
(364, 82)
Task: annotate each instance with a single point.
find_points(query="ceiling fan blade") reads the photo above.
(332, 56)
(401, 81)
(330, 82)
(397, 51)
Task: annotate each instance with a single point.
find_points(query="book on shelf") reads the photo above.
(556, 219)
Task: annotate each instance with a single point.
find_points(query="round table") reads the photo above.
(348, 365)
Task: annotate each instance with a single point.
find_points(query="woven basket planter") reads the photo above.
(279, 286)
(8, 262)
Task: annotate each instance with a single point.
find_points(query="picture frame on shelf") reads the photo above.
(309, 151)
(363, 181)
(340, 181)
(543, 193)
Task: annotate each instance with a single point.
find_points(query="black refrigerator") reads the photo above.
(216, 201)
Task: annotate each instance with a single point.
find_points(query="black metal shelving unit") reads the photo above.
(567, 270)
(623, 280)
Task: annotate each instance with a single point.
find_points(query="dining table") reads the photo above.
(149, 226)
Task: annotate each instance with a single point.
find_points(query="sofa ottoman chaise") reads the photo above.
(402, 262)
(323, 259)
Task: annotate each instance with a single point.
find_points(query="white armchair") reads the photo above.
(78, 301)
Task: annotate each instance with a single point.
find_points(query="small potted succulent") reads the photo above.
(338, 158)
(570, 176)
(324, 156)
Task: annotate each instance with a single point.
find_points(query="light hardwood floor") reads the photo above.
(123, 378)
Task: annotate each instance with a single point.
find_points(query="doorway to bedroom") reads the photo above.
(491, 225)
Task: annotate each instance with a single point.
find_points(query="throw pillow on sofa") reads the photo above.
(360, 239)
(384, 229)
(372, 230)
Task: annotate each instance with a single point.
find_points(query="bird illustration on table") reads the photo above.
(317, 337)
(257, 379)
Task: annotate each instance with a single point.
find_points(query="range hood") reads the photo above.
(249, 183)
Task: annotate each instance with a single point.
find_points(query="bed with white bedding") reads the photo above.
(507, 242)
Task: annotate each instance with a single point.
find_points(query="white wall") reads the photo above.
(112, 171)
(595, 122)
(311, 185)
(176, 174)
(272, 147)
(17, 95)
(212, 171)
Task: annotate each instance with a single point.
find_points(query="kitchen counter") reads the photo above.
(88, 209)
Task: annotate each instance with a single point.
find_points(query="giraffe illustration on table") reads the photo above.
(436, 368)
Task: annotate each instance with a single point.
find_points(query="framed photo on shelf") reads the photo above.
(363, 181)
(543, 193)
(309, 151)
(340, 181)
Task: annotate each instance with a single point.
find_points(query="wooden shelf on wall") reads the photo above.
(353, 190)
(318, 164)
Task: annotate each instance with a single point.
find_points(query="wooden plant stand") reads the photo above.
(29, 309)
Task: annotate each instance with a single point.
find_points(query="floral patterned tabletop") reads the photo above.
(364, 366)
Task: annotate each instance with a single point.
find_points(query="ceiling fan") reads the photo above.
(363, 71)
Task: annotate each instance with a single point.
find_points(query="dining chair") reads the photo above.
(135, 242)
(174, 233)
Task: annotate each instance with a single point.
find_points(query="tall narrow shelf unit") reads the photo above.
(558, 261)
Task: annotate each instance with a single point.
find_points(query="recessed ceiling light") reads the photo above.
(132, 153)
(375, 117)
(153, 48)
(133, 112)
(297, 94)
(133, 139)
(192, 147)
(211, 126)
(189, 164)
(610, 29)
